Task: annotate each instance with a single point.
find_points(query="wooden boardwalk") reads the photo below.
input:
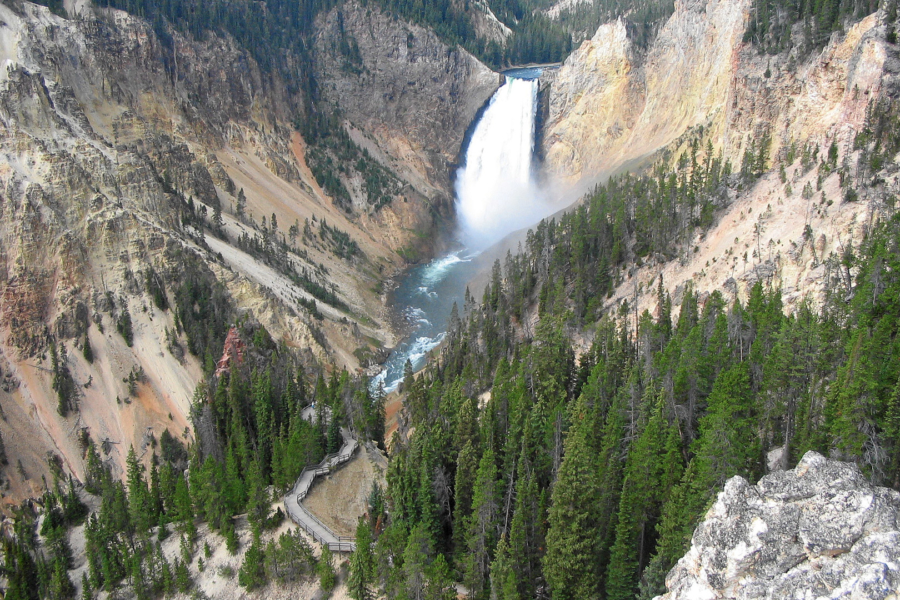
(293, 501)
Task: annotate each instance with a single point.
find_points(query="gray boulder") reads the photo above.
(818, 531)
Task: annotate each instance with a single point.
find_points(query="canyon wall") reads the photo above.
(115, 147)
(612, 104)
(615, 107)
(410, 95)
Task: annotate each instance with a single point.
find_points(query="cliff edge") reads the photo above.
(817, 531)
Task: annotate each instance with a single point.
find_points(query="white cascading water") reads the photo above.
(496, 193)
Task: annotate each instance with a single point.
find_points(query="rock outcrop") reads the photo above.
(817, 531)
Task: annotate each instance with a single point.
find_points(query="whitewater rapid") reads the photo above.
(424, 299)
(495, 188)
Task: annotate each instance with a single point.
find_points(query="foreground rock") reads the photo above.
(818, 531)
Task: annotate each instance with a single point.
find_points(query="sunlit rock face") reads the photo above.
(820, 530)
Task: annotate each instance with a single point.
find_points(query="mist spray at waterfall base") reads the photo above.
(496, 195)
(496, 190)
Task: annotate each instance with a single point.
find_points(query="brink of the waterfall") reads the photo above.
(495, 189)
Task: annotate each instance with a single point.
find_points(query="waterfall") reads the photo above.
(496, 194)
(495, 190)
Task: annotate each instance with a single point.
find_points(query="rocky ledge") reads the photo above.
(820, 530)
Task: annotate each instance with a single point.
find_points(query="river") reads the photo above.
(495, 195)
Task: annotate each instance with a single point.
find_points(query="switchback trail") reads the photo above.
(293, 501)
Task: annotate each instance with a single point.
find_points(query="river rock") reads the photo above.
(820, 530)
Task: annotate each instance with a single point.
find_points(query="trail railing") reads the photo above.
(336, 543)
(311, 524)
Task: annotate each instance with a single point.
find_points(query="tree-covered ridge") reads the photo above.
(276, 32)
(644, 18)
(535, 474)
(585, 478)
(772, 22)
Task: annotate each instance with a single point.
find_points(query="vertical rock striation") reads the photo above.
(415, 95)
(609, 105)
(612, 105)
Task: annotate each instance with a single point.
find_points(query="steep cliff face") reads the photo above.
(609, 107)
(820, 100)
(414, 95)
(115, 147)
(820, 530)
(612, 107)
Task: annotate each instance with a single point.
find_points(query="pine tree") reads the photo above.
(416, 558)
(60, 584)
(439, 580)
(138, 583)
(504, 581)
(241, 205)
(87, 592)
(167, 581)
(570, 564)
(182, 577)
(138, 495)
(252, 573)
(87, 351)
(183, 508)
(234, 494)
(124, 327)
(94, 470)
(325, 569)
(375, 421)
(364, 548)
(155, 500)
(892, 433)
(62, 379)
(21, 572)
(481, 527)
(653, 466)
(466, 467)
(358, 584)
(258, 502)
(334, 435)
(526, 534)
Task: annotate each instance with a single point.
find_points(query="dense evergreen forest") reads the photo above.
(574, 477)
(250, 436)
(585, 478)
